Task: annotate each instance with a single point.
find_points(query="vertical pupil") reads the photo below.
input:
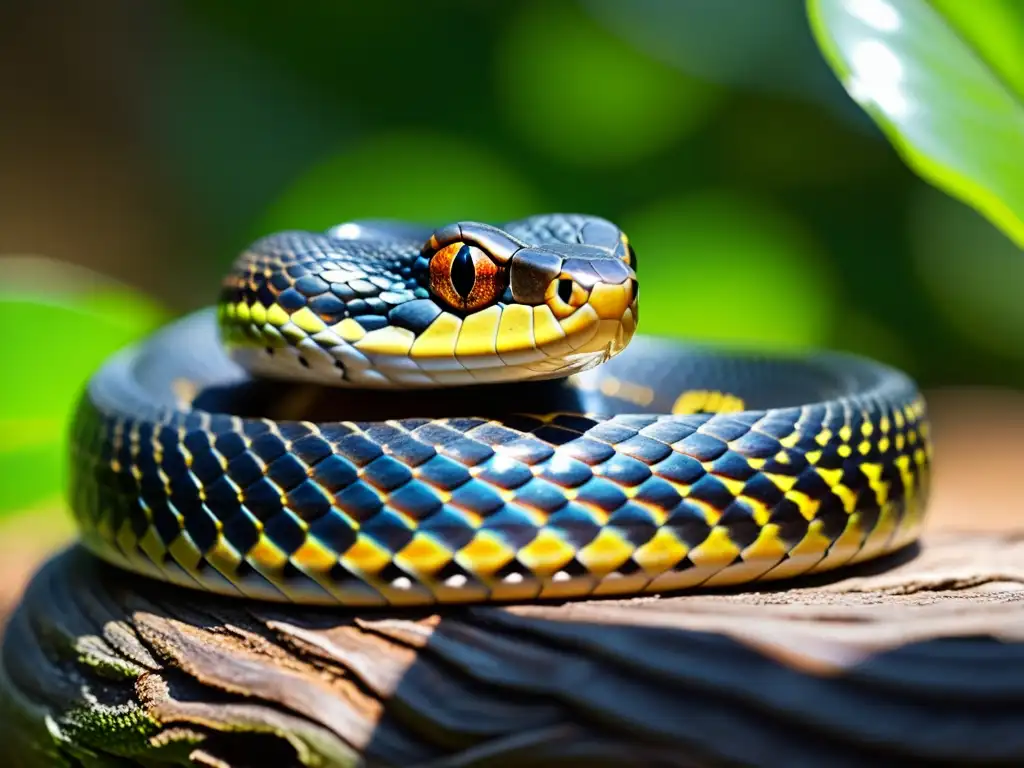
(463, 272)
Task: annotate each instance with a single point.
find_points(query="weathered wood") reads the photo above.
(917, 659)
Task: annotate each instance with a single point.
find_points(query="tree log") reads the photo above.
(915, 660)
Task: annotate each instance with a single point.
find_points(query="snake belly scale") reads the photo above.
(494, 432)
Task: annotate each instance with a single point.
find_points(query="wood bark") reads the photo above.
(918, 659)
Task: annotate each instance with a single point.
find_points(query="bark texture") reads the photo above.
(918, 659)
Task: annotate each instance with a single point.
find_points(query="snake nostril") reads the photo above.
(634, 288)
(565, 289)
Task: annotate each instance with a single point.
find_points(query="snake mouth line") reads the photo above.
(316, 365)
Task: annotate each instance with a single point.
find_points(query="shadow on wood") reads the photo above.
(921, 661)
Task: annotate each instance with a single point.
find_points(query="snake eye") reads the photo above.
(564, 296)
(465, 277)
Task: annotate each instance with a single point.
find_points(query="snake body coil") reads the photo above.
(645, 466)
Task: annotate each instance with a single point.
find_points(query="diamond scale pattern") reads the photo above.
(418, 510)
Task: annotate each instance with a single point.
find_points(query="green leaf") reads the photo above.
(995, 29)
(944, 80)
(61, 323)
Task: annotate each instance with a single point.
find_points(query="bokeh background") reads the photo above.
(142, 145)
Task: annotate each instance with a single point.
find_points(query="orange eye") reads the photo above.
(465, 278)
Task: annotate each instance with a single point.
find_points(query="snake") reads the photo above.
(386, 414)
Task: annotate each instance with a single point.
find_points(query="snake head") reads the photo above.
(373, 305)
(541, 298)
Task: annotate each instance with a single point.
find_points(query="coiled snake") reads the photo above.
(380, 415)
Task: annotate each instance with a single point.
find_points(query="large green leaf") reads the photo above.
(944, 80)
(60, 323)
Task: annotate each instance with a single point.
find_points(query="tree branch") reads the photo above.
(915, 659)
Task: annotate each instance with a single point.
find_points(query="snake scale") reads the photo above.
(379, 414)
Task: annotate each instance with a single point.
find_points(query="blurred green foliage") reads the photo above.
(583, 95)
(464, 110)
(767, 209)
(399, 174)
(973, 272)
(771, 261)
